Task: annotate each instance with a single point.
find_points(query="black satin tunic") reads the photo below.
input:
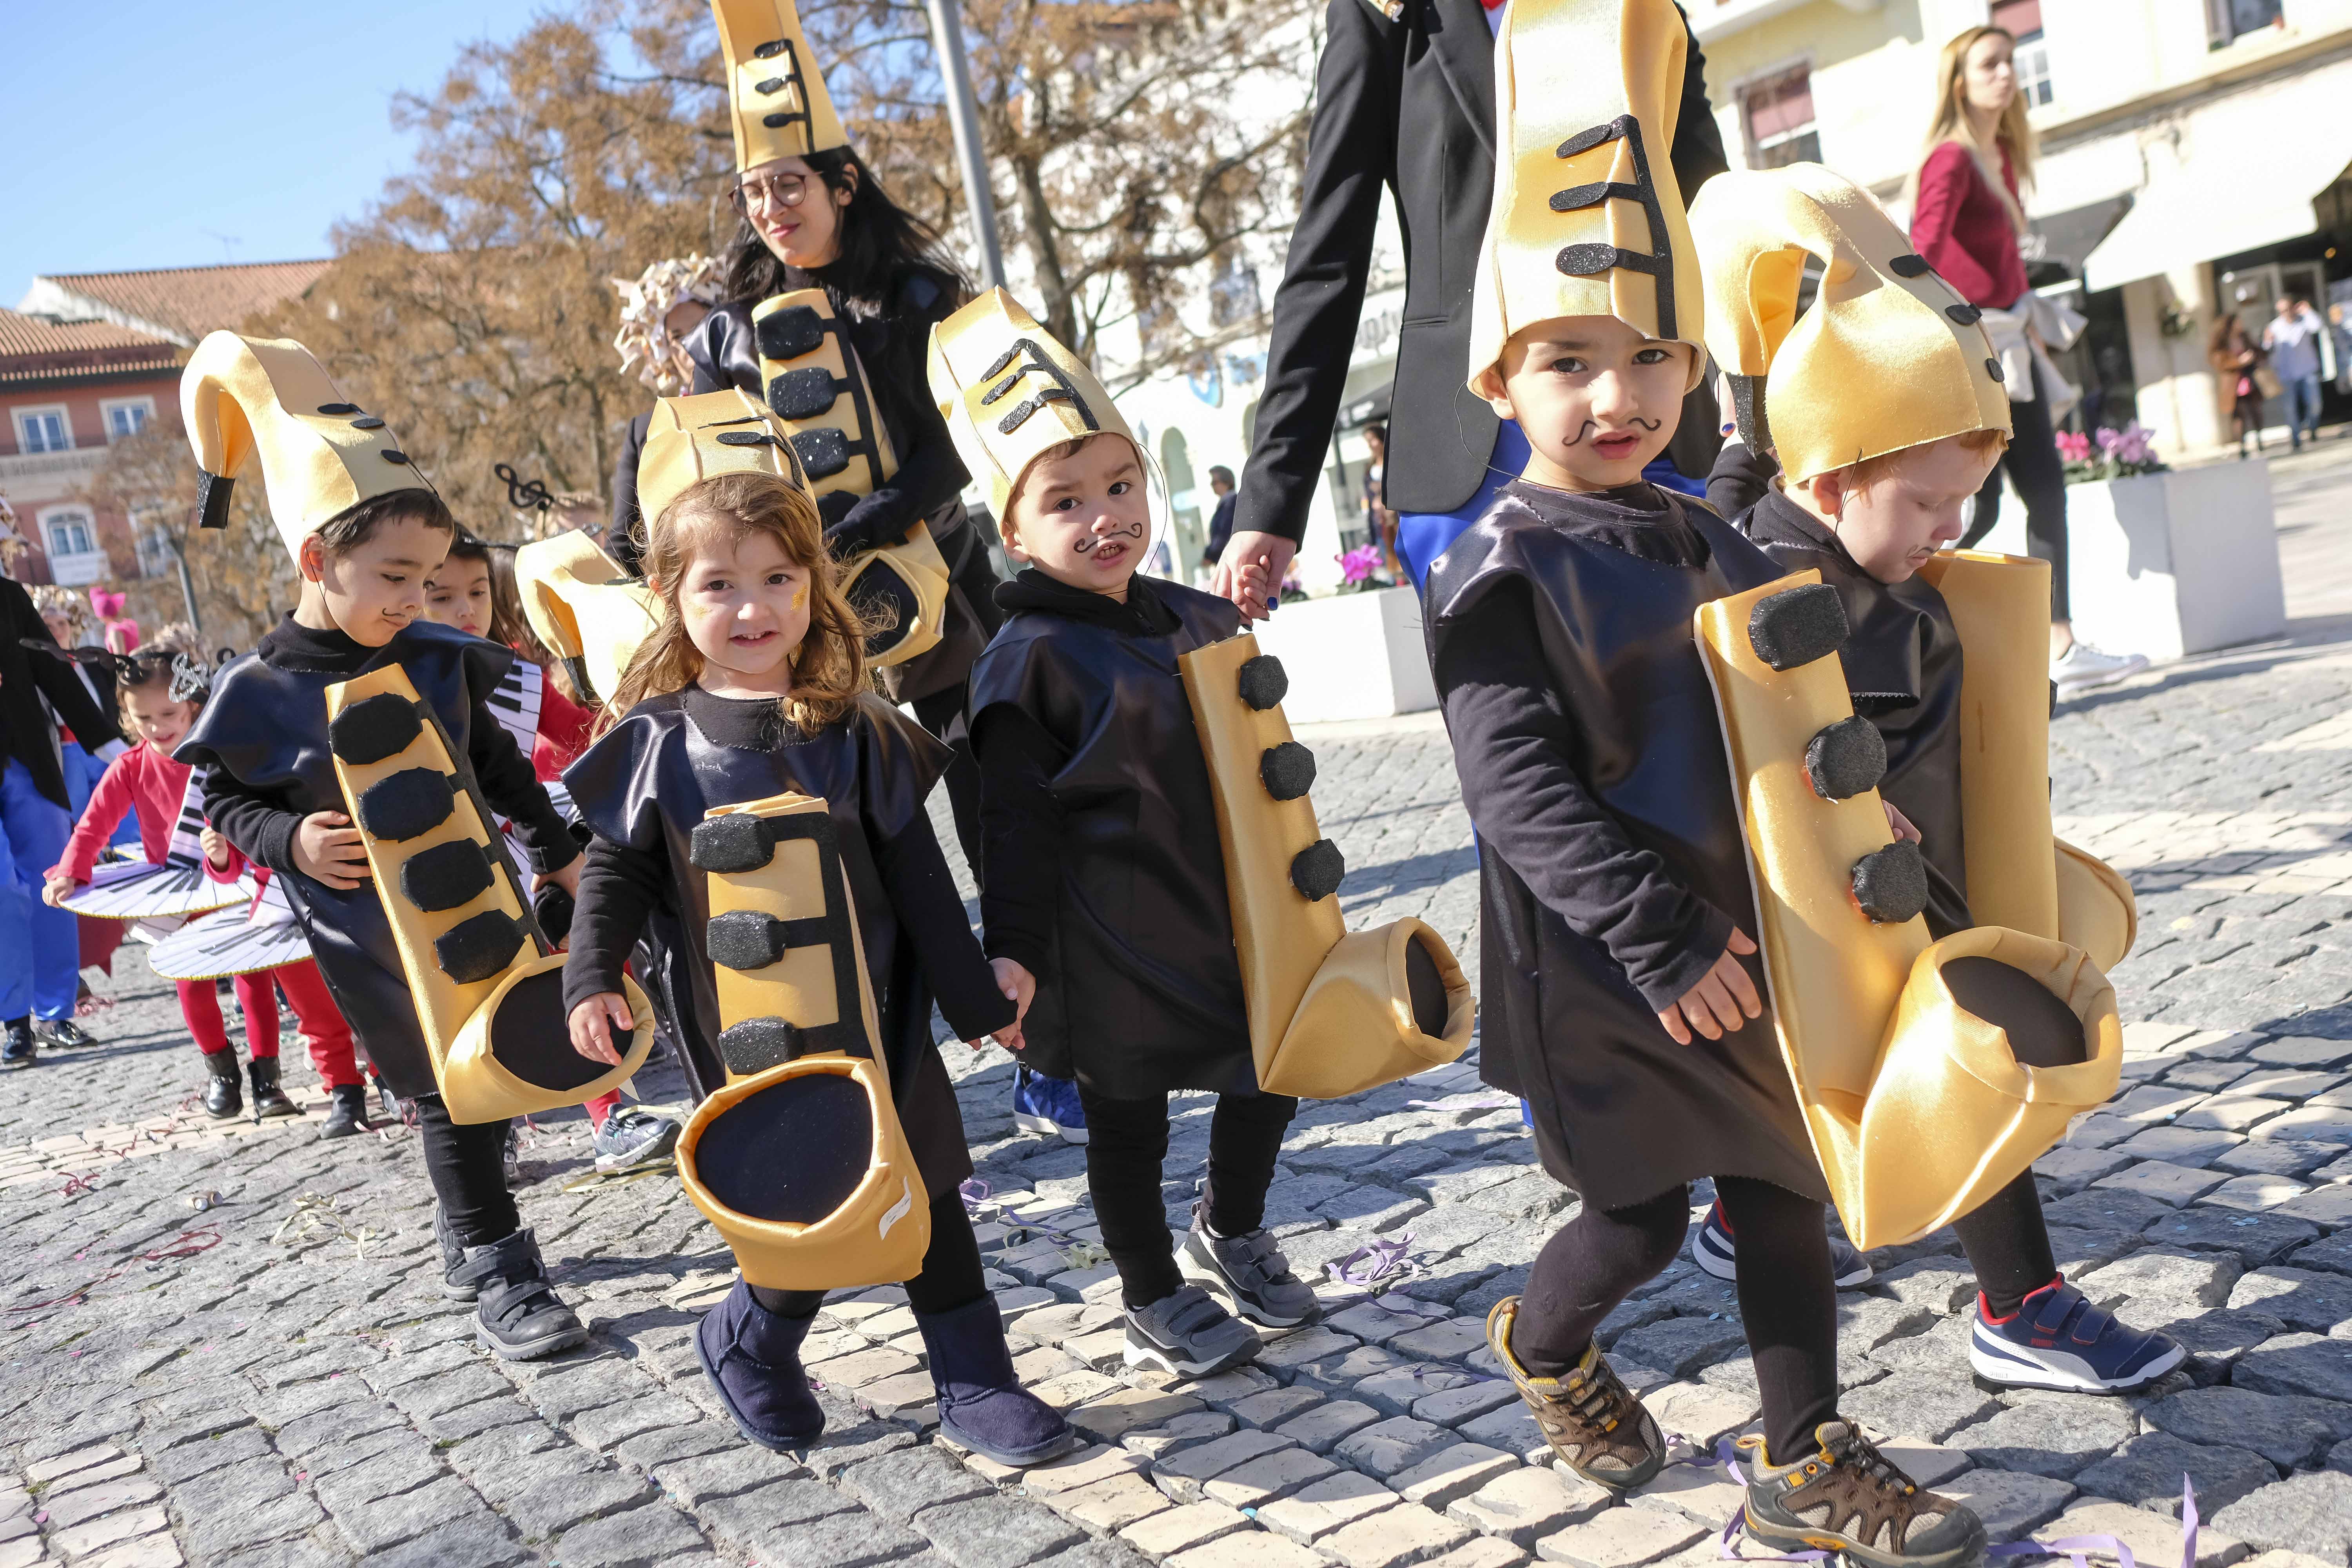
(646, 784)
(1141, 992)
(1902, 664)
(264, 733)
(1611, 870)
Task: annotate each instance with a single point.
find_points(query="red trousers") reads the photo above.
(323, 1028)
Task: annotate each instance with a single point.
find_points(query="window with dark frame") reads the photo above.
(1778, 112)
(2227, 21)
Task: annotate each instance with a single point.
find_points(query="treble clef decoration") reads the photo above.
(523, 494)
(1590, 261)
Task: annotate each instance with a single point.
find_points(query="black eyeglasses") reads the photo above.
(777, 191)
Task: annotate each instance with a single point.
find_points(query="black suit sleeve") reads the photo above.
(930, 472)
(1698, 154)
(1350, 156)
(61, 683)
(1516, 740)
(257, 824)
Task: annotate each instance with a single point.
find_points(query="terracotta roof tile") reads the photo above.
(194, 300)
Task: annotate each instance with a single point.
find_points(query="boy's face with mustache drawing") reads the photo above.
(1081, 515)
(1597, 400)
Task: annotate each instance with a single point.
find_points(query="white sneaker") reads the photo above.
(2083, 667)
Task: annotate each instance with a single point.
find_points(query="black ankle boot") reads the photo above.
(453, 1261)
(224, 1094)
(346, 1111)
(518, 1316)
(269, 1098)
(981, 1403)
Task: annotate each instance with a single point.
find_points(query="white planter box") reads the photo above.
(1351, 655)
(2170, 564)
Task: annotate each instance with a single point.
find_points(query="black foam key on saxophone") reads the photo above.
(746, 939)
(1891, 884)
(369, 731)
(406, 803)
(1846, 758)
(479, 947)
(446, 875)
(731, 845)
(1316, 870)
(1797, 625)
(756, 1045)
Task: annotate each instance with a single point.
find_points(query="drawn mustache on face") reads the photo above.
(1132, 531)
(1590, 427)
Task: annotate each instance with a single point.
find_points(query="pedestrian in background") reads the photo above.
(1380, 522)
(2292, 340)
(1221, 521)
(2235, 357)
(1966, 219)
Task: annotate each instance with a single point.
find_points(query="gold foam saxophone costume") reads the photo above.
(1586, 219)
(798, 1159)
(1331, 1012)
(489, 987)
(776, 100)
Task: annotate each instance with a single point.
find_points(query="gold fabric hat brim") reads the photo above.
(1889, 356)
(270, 398)
(1587, 220)
(1010, 392)
(776, 97)
(690, 439)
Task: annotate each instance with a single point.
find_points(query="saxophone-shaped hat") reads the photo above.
(1011, 393)
(320, 454)
(693, 439)
(776, 99)
(1889, 355)
(1587, 220)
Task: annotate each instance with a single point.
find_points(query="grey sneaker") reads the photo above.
(631, 1138)
(1847, 1497)
(1188, 1335)
(1252, 1271)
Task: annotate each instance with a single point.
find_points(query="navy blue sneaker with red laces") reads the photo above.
(2057, 1339)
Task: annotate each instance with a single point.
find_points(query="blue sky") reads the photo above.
(143, 132)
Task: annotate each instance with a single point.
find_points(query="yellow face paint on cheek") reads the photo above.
(800, 597)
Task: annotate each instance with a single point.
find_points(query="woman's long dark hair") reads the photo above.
(880, 242)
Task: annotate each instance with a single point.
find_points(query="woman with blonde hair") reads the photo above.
(1966, 219)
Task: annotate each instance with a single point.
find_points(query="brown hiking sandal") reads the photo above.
(1590, 1418)
(1847, 1497)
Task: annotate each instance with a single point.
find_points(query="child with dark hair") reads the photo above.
(365, 534)
(162, 695)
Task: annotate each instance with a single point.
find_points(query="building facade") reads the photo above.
(86, 361)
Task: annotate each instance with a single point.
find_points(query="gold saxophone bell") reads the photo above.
(489, 994)
(799, 1159)
(1331, 1012)
(1929, 1075)
(589, 613)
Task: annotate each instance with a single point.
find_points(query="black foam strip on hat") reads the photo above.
(1891, 884)
(445, 876)
(758, 1044)
(1846, 758)
(369, 731)
(1797, 625)
(1263, 681)
(802, 394)
(1287, 769)
(822, 452)
(410, 802)
(790, 334)
(1747, 411)
(731, 845)
(479, 947)
(213, 492)
(1316, 870)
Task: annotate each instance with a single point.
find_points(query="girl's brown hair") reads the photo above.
(2015, 132)
(829, 671)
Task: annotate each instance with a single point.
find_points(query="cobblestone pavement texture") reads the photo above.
(225, 1345)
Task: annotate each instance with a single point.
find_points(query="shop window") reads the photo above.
(2226, 21)
(1780, 115)
(2022, 19)
(42, 430)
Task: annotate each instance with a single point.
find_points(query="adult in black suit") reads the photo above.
(1405, 99)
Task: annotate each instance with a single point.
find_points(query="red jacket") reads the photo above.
(1962, 227)
(145, 782)
(563, 727)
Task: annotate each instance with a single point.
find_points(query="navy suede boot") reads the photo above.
(981, 1404)
(753, 1358)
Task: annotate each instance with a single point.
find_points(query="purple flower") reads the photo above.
(1360, 563)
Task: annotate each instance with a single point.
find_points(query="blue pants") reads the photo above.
(40, 947)
(2302, 408)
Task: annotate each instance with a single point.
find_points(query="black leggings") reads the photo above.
(1787, 1302)
(1127, 1144)
(2008, 1244)
(951, 1276)
(2033, 465)
(468, 1166)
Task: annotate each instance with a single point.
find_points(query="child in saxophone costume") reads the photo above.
(754, 683)
(1888, 419)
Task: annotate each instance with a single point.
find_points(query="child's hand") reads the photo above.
(216, 848)
(1899, 825)
(1715, 1003)
(53, 890)
(568, 878)
(594, 1022)
(327, 849)
(1019, 988)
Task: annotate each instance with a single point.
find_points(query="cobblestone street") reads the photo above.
(226, 1344)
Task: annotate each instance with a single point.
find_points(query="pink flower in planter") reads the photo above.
(1360, 563)
(2074, 445)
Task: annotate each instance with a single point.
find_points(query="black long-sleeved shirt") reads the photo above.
(27, 676)
(259, 824)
